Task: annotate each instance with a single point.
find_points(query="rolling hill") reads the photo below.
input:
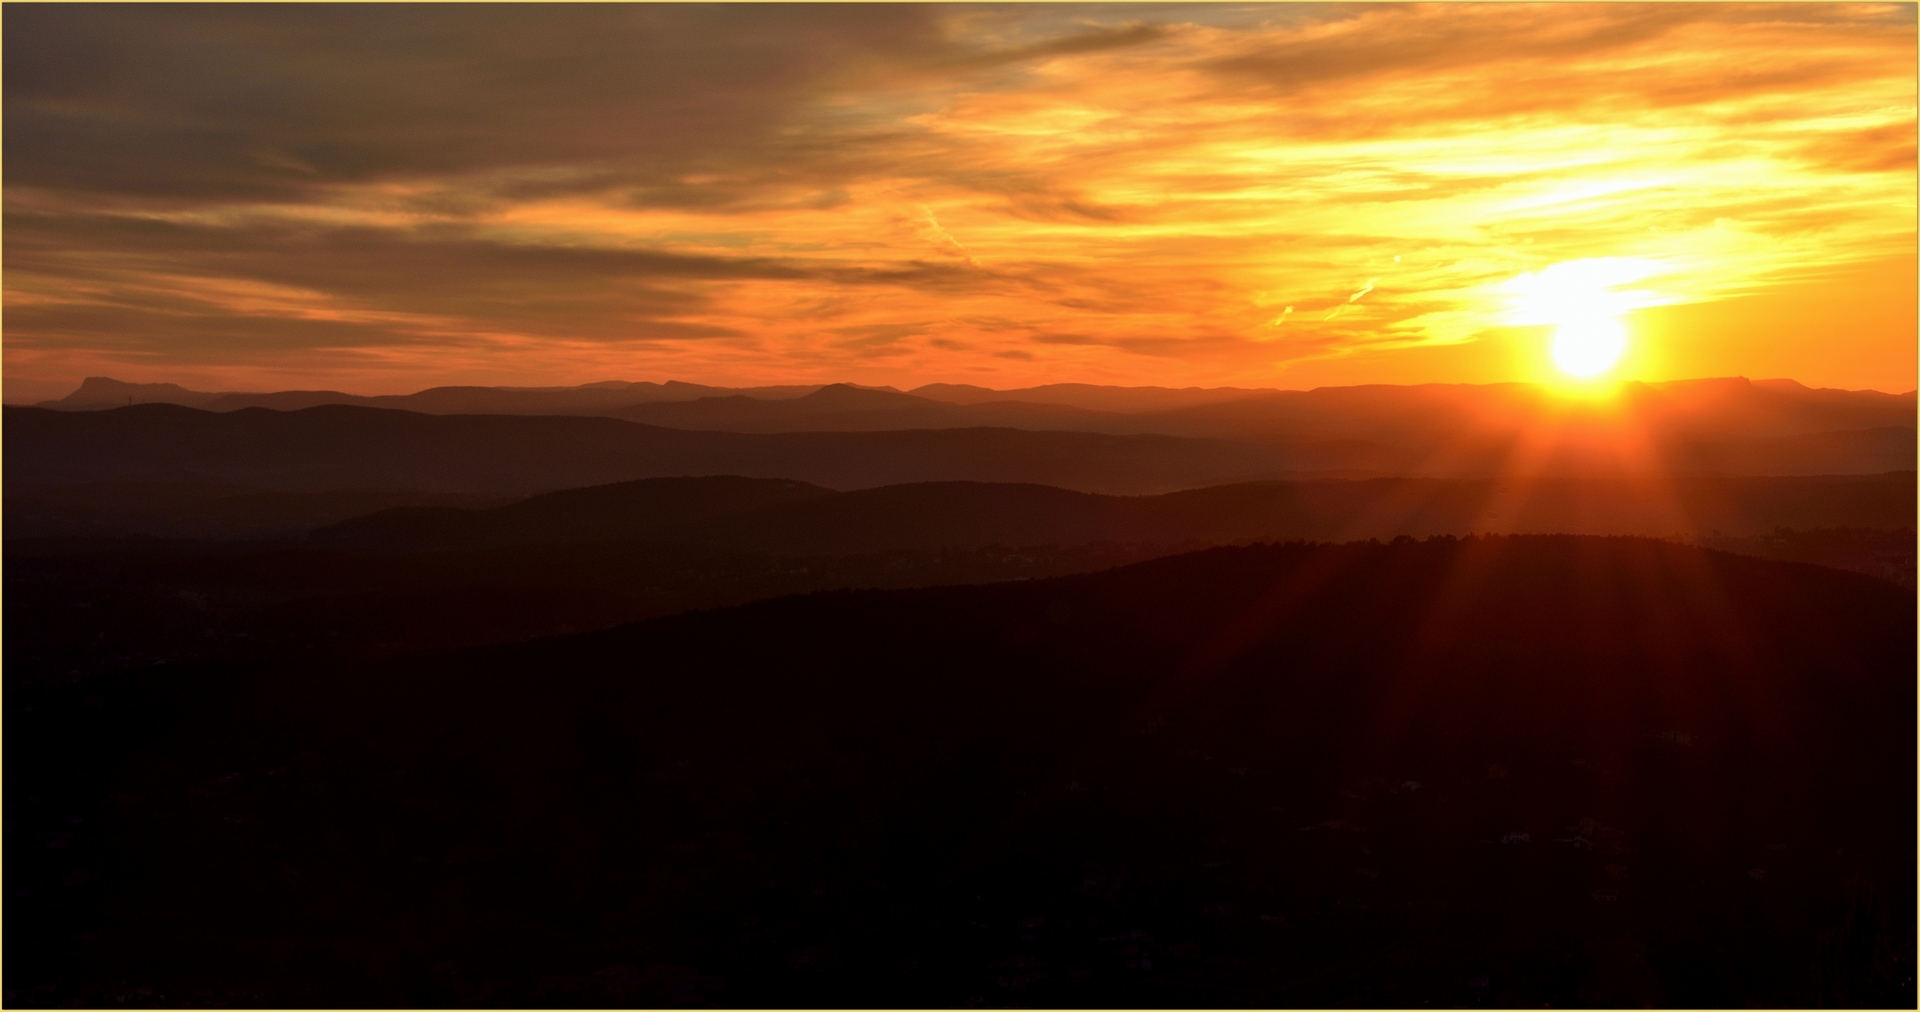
(1506, 771)
(792, 517)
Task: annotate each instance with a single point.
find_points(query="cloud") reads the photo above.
(1420, 39)
(1085, 41)
(1888, 148)
(267, 102)
(742, 190)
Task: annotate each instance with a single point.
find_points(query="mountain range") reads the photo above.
(866, 438)
(1417, 416)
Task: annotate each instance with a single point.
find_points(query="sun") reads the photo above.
(1586, 349)
(1580, 300)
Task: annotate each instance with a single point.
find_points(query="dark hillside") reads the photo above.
(1430, 414)
(1887, 554)
(338, 446)
(81, 607)
(646, 509)
(417, 578)
(185, 507)
(1507, 771)
(774, 516)
(843, 408)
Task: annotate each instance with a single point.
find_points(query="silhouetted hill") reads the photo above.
(1427, 415)
(1887, 554)
(337, 446)
(1706, 425)
(765, 516)
(844, 408)
(1854, 452)
(188, 508)
(1777, 427)
(428, 577)
(1090, 397)
(83, 607)
(648, 509)
(98, 393)
(1510, 771)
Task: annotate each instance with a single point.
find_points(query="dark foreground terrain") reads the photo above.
(1497, 771)
(429, 577)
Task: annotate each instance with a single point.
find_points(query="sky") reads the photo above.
(383, 198)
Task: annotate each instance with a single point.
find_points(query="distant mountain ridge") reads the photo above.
(346, 447)
(101, 392)
(1431, 428)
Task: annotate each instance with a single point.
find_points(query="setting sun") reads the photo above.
(1584, 302)
(1587, 348)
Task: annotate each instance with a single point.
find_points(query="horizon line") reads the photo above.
(913, 391)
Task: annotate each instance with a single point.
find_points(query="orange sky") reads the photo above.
(383, 199)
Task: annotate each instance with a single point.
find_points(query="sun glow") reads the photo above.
(1588, 348)
(1583, 301)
